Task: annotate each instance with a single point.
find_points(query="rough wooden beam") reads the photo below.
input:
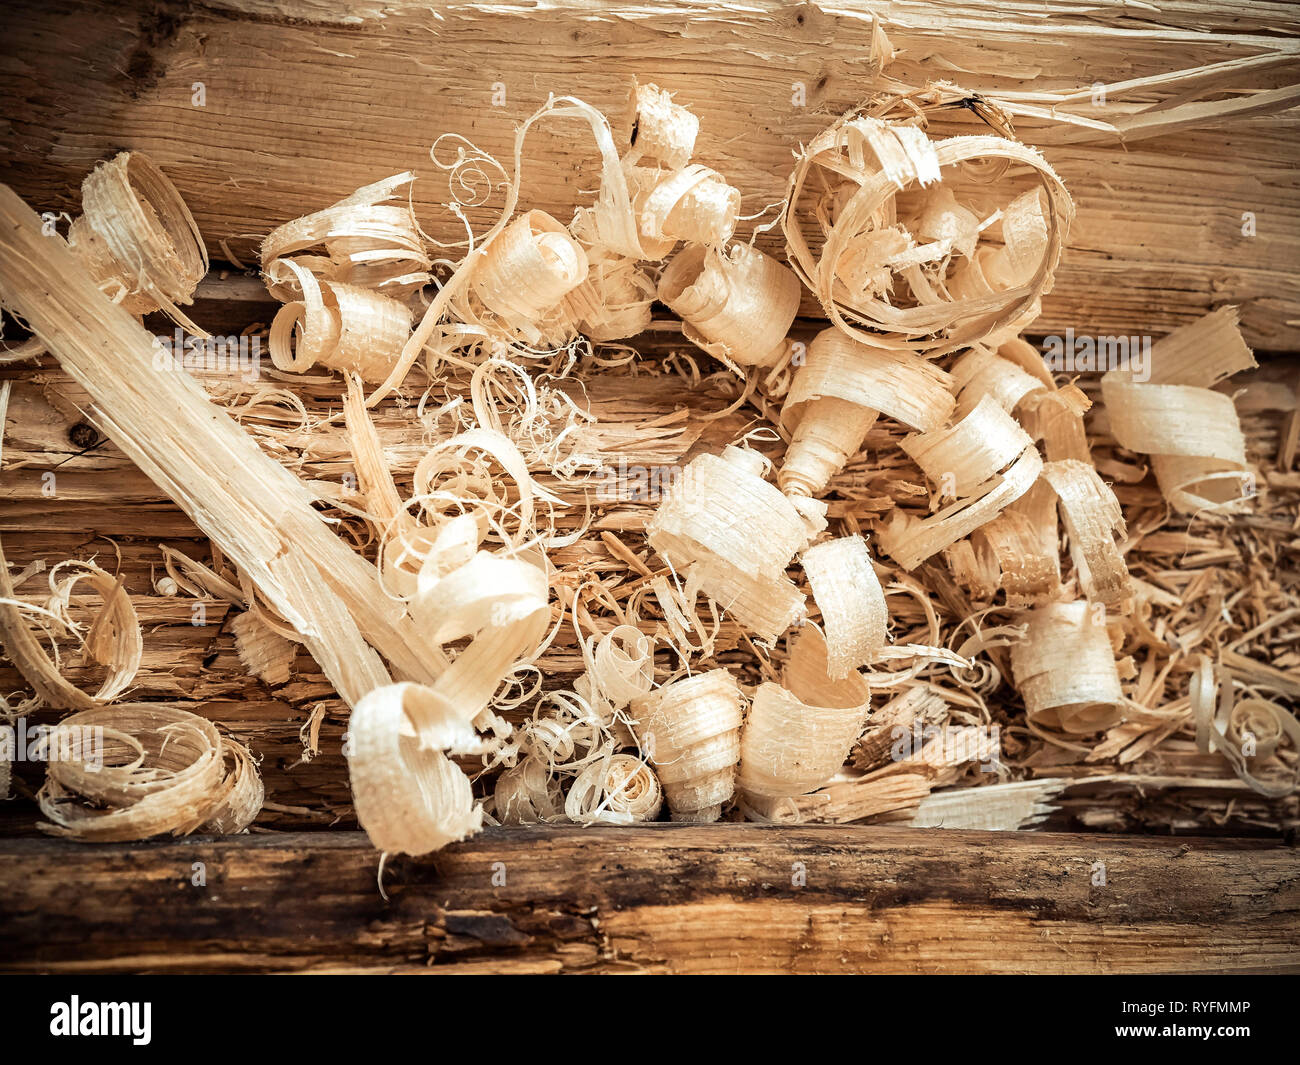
(722, 899)
(305, 100)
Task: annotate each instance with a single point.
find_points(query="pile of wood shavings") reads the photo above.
(969, 602)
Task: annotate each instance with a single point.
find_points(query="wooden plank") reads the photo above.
(305, 100)
(684, 899)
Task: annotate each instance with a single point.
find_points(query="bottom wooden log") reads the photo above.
(722, 899)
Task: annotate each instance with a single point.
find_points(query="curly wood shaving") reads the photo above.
(738, 306)
(861, 164)
(409, 796)
(524, 275)
(722, 507)
(765, 605)
(661, 131)
(344, 327)
(733, 534)
(1092, 517)
(619, 668)
(1065, 670)
(113, 638)
(613, 303)
(527, 795)
(1018, 378)
(139, 770)
(972, 450)
(693, 204)
(1193, 434)
(1022, 544)
(367, 242)
(798, 733)
(1246, 732)
(969, 457)
(852, 604)
(620, 789)
(138, 239)
(609, 223)
(689, 730)
(836, 395)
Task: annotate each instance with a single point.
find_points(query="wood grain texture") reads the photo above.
(305, 100)
(719, 899)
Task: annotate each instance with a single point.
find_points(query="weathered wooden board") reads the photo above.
(305, 100)
(720, 899)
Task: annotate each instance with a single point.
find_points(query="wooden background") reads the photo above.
(303, 103)
(325, 96)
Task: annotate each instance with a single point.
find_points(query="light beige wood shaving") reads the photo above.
(345, 327)
(113, 638)
(613, 303)
(836, 395)
(1192, 434)
(134, 771)
(1092, 518)
(737, 305)
(524, 275)
(798, 733)
(138, 239)
(1065, 670)
(619, 668)
(619, 789)
(1246, 732)
(362, 240)
(916, 280)
(265, 653)
(852, 604)
(661, 131)
(1021, 548)
(986, 459)
(732, 534)
(409, 796)
(689, 730)
(527, 794)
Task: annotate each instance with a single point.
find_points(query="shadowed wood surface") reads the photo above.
(718, 899)
(305, 100)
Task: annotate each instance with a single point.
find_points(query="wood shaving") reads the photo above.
(154, 770)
